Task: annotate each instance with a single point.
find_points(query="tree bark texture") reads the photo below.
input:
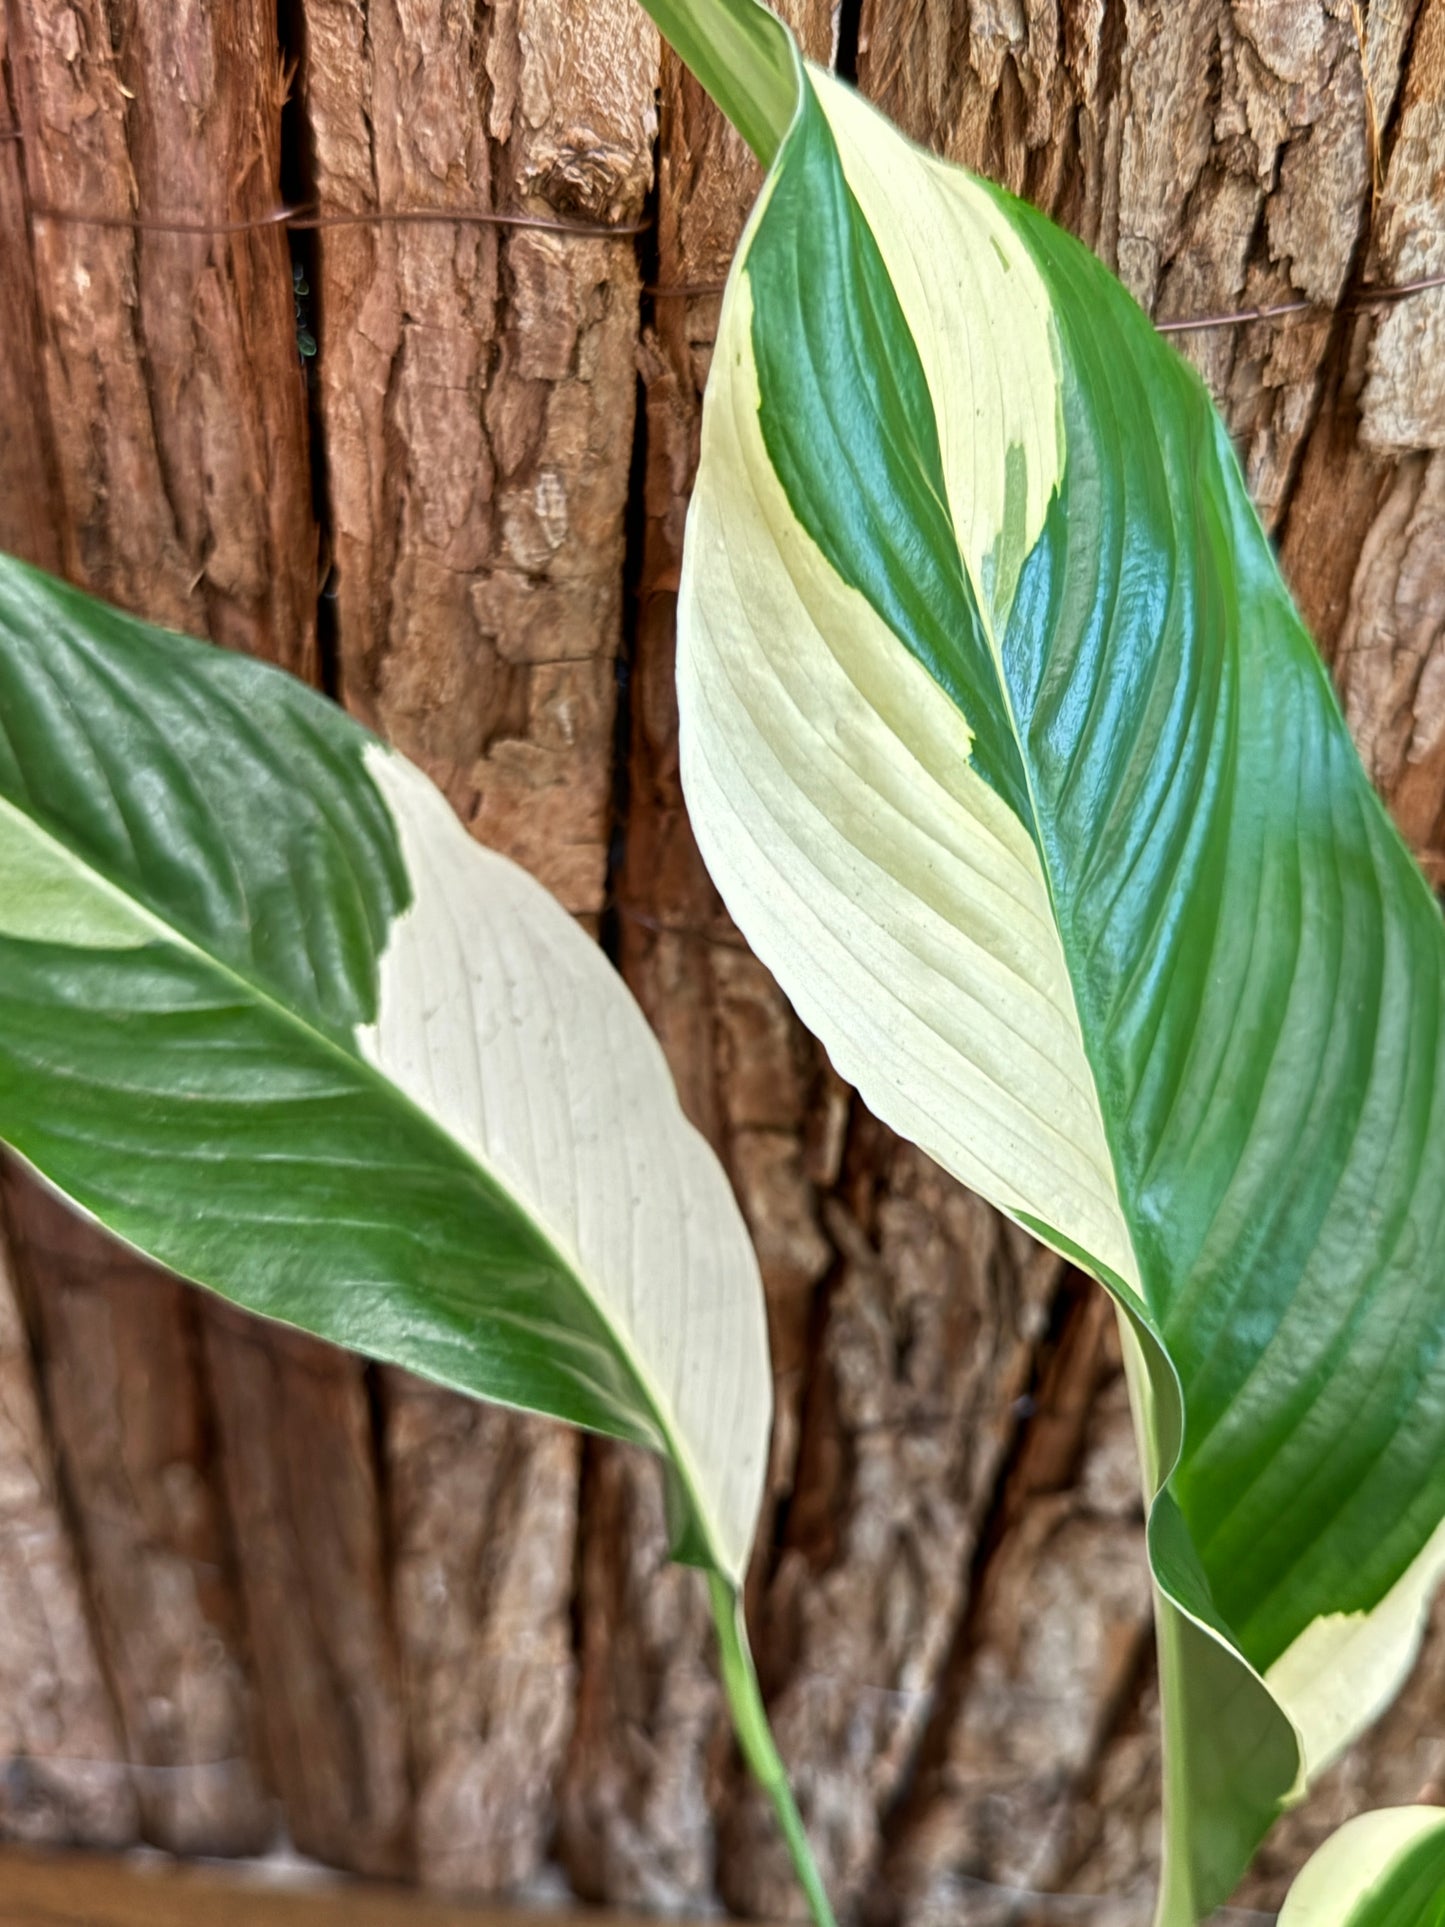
(253, 1591)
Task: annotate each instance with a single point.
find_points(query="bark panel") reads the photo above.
(949, 1604)
(635, 1807)
(483, 1513)
(63, 1774)
(299, 1476)
(1365, 536)
(477, 391)
(118, 1350)
(926, 1344)
(1059, 1632)
(170, 396)
(637, 1823)
(29, 501)
(170, 373)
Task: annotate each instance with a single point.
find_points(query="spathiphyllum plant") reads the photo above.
(1011, 757)
(269, 1014)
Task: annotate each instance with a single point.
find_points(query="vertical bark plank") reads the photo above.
(1060, 1627)
(299, 1476)
(1403, 407)
(296, 1468)
(926, 1344)
(29, 503)
(483, 1511)
(1112, 1857)
(63, 1773)
(170, 395)
(169, 369)
(118, 1351)
(477, 391)
(1365, 538)
(636, 1820)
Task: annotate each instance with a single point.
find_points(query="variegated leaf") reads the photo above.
(274, 1018)
(1012, 759)
(1385, 1869)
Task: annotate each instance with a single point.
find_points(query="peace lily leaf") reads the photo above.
(1012, 759)
(272, 1016)
(1385, 1869)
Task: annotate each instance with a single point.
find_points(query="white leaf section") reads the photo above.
(897, 898)
(1345, 1669)
(1335, 1888)
(982, 322)
(505, 1022)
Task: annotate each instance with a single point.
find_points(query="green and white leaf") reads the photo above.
(272, 1016)
(1012, 759)
(1385, 1869)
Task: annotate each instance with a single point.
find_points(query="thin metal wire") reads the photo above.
(1237, 318)
(310, 217)
(1234, 318)
(685, 932)
(1366, 298)
(407, 217)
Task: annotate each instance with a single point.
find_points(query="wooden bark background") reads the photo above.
(252, 1592)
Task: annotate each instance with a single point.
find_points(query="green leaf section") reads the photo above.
(209, 1129)
(849, 424)
(1258, 964)
(186, 1070)
(1412, 1895)
(745, 58)
(218, 794)
(1257, 960)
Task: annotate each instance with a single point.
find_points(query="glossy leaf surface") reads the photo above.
(272, 1016)
(1012, 759)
